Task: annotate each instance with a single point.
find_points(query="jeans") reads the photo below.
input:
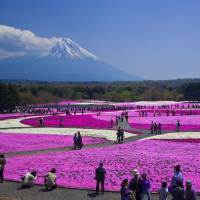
(145, 193)
(102, 185)
(1, 175)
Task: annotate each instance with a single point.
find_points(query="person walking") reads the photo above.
(145, 187)
(100, 173)
(2, 167)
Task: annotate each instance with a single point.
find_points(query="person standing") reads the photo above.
(75, 138)
(152, 127)
(145, 187)
(178, 125)
(190, 194)
(159, 128)
(178, 191)
(80, 141)
(178, 176)
(135, 185)
(155, 128)
(100, 177)
(61, 123)
(124, 191)
(163, 191)
(2, 167)
(119, 135)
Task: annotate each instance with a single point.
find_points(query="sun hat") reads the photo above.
(135, 172)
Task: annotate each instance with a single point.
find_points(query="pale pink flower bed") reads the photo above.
(12, 142)
(189, 122)
(75, 169)
(78, 121)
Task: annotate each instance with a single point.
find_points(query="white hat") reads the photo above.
(135, 172)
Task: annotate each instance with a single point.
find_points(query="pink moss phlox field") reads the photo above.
(76, 168)
(82, 121)
(190, 140)
(12, 116)
(188, 122)
(12, 142)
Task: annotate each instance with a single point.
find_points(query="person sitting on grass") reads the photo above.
(50, 179)
(189, 192)
(29, 179)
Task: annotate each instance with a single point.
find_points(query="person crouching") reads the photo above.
(50, 180)
(29, 179)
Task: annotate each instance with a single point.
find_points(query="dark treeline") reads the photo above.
(32, 92)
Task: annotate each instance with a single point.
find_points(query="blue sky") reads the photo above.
(154, 39)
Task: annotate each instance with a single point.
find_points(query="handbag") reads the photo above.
(132, 196)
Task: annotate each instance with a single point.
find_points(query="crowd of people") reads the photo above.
(156, 128)
(140, 187)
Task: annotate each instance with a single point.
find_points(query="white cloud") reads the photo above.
(17, 42)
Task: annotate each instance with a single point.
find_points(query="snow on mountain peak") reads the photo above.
(65, 47)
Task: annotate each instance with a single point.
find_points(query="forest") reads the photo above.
(14, 93)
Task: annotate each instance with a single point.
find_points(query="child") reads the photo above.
(163, 191)
(145, 187)
(124, 191)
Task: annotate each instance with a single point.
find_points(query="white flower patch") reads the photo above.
(13, 123)
(175, 135)
(107, 134)
(14, 126)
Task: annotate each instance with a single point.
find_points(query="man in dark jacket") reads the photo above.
(136, 185)
(2, 166)
(100, 178)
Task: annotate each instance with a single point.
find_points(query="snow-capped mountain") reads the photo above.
(65, 47)
(27, 56)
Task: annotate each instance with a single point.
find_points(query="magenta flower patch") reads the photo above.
(82, 121)
(76, 168)
(188, 122)
(12, 142)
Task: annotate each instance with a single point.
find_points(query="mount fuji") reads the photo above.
(56, 59)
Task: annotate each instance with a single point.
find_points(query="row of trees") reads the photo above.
(33, 93)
